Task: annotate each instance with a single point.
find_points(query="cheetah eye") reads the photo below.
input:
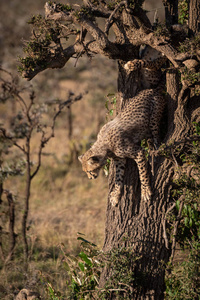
(93, 160)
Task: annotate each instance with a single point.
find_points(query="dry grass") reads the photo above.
(66, 204)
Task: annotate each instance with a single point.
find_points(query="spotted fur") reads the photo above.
(121, 138)
(140, 118)
(149, 67)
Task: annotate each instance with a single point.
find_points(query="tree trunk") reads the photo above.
(11, 206)
(171, 12)
(194, 16)
(138, 224)
(26, 202)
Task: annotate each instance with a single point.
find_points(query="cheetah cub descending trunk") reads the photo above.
(121, 138)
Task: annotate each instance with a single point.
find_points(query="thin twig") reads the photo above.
(130, 287)
(176, 227)
(39, 156)
(164, 225)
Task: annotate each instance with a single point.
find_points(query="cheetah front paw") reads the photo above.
(114, 198)
(146, 194)
(131, 65)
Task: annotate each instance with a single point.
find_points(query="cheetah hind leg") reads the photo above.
(144, 176)
(119, 176)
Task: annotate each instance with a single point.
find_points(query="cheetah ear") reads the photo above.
(80, 158)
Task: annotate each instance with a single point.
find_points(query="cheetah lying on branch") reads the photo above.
(121, 138)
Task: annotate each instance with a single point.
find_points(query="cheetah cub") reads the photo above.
(121, 138)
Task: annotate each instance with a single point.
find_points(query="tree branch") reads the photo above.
(106, 47)
(111, 17)
(58, 61)
(145, 36)
(136, 35)
(97, 12)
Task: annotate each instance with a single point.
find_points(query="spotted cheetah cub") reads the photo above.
(121, 138)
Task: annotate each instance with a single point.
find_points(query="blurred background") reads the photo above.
(63, 201)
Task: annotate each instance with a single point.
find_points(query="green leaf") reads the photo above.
(177, 205)
(111, 112)
(81, 266)
(114, 100)
(189, 210)
(186, 221)
(85, 258)
(106, 105)
(85, 241)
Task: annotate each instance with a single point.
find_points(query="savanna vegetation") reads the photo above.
(52, 242)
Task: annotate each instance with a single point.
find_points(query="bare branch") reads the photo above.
(44, 140)
(111, 17)
(39, 157)
(106, 46)
(97, 12)
(3, 131)
(164, 225)
(145, 36)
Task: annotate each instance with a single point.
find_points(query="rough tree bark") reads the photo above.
(141, 224)
(194, 16)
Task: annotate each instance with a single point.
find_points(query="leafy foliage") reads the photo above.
(191, 77)
(83, 270)
(123, 277)
(191, 45)
(110, 105)
(184, 280)
(45, 42)
(183, 11)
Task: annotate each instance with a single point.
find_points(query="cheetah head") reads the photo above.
(92, 165)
